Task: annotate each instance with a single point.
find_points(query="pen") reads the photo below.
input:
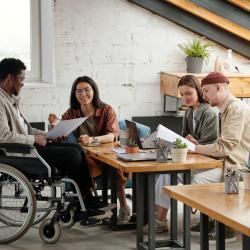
(58, 118)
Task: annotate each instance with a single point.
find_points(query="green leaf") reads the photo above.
(196, 48)
(179, 144)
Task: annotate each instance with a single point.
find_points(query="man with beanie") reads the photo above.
(233, 143)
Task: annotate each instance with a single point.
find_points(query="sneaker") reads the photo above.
(95, 203)
(80, 215)
(230, 235)
(196, 228)
(123, 215)
(94, 219)
(160, 227)
(108, 207)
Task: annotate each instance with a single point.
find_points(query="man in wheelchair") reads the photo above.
(64, 158)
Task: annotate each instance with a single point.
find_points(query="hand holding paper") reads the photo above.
(65, 127)
(170, 136)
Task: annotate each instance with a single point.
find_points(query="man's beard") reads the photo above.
(15, 93)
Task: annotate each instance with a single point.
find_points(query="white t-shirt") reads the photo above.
(22, 121)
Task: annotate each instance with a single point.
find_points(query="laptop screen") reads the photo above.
(133, 132)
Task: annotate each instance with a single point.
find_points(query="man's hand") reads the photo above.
(40, 140)
(85, 139)
(59, 139)
(191, 138)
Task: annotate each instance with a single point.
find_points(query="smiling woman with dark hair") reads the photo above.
(100, 127)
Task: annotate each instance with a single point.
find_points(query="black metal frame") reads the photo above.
(173, 241)
(220, 235)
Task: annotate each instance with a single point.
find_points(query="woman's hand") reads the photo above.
(84, 139)
(191, 138)
(52, 119)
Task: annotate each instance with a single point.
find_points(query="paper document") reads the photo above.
(119, 150)
(168, 135)
(149, 141)
(65, 127)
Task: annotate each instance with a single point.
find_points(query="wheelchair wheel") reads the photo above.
(67, 219)
(17, 204)
(45, 206)
(50, 233)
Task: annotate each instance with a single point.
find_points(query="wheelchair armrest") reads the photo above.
(16, 147)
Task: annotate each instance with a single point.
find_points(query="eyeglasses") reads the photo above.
(82, 91)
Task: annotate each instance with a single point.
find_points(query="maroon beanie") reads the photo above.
(214, 77)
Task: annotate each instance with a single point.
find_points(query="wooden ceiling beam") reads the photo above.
(213, 18)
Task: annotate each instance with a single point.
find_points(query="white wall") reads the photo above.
(123, 48)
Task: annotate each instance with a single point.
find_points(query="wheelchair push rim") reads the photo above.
(17, 204)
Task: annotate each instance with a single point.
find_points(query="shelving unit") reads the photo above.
(239, 86)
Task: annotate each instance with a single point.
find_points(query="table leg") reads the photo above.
(204, 232)
(114, 195)
(174, 212)
(245, 242)
(133, 193)
(151, 211)
(105, 183)
(186, 215)
(139, 208)
(220, 236)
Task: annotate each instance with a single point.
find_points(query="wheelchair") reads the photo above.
(29, 191)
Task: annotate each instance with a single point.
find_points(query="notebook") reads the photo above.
(134, 135)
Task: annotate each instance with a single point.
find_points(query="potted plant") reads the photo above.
(245, 173)
(196, 51)
(132, 147)
(179, 151)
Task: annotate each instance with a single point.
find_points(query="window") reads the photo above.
(27, 33)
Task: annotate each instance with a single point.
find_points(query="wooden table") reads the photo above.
(145, 173)
(232, 210)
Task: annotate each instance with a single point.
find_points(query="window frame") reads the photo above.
(42, 44)
(34, 74)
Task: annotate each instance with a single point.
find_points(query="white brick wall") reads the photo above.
(123, 47)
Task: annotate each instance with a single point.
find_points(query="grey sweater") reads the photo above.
(206, 129)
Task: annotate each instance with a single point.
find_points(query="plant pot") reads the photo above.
(131, 150)
(179, 154)
(246, 179)
(194, 64)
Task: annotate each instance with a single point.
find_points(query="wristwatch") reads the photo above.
(94, 139)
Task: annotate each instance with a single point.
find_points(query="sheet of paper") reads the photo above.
(65, 127)
(119, 150)
(168, 135)
(148, 141)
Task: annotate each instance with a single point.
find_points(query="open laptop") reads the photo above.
(134, 135)
(150, 156)
(147, 144)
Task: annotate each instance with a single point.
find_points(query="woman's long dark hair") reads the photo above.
(193, 82)
(74, 104)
